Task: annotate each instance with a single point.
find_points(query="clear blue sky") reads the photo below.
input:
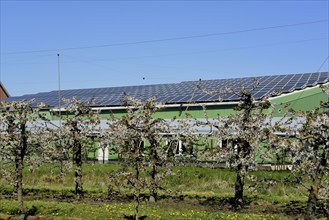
(33, 32)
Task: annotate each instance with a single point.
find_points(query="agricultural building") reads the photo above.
(298, 91)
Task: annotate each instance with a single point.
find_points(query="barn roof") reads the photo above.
(2, 87)
(186, 91)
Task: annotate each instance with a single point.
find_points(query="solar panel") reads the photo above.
(186, 91)
(260, 94)
(323, 79)
(199, 97)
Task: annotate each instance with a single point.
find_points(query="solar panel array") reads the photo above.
(187, 91)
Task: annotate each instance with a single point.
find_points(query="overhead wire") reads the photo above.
(179, 53)
(318, 71)
(171, 38)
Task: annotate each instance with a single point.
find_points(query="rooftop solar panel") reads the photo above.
(185, 91)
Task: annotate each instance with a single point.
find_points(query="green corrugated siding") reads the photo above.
(305, 100)
(195, 112)
(177, 112)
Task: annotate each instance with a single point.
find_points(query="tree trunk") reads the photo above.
(243, 151)
(19, 160)
(61, 176)
(103, 155)
(78, 170)
(137, 190)
(136, 212)
(316, 182)
(155, 163)
(239, 185)
(19, 185)
(154, 186)
(311, 203)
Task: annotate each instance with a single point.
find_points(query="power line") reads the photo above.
(176, 54)
(172, 38)
(324, 62)
(318, 71)
(211, 51)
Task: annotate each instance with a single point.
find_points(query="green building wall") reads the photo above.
(304, 100)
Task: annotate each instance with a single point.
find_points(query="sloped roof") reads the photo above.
(186, 91)
(4, 89)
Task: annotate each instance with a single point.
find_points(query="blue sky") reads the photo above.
(132, 50)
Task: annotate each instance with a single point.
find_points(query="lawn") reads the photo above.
(192, 193)
(64, 210)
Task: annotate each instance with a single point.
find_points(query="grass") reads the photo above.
(192, 181)
(194, 193)
(64, 210)
(189, 181)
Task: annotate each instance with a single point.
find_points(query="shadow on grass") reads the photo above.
(131, 217)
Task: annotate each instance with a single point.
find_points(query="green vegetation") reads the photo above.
(119, 210)
(190, 181)
(192, 193)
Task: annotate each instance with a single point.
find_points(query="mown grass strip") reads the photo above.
(62, 210)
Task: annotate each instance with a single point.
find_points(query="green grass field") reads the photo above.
(196, 193)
